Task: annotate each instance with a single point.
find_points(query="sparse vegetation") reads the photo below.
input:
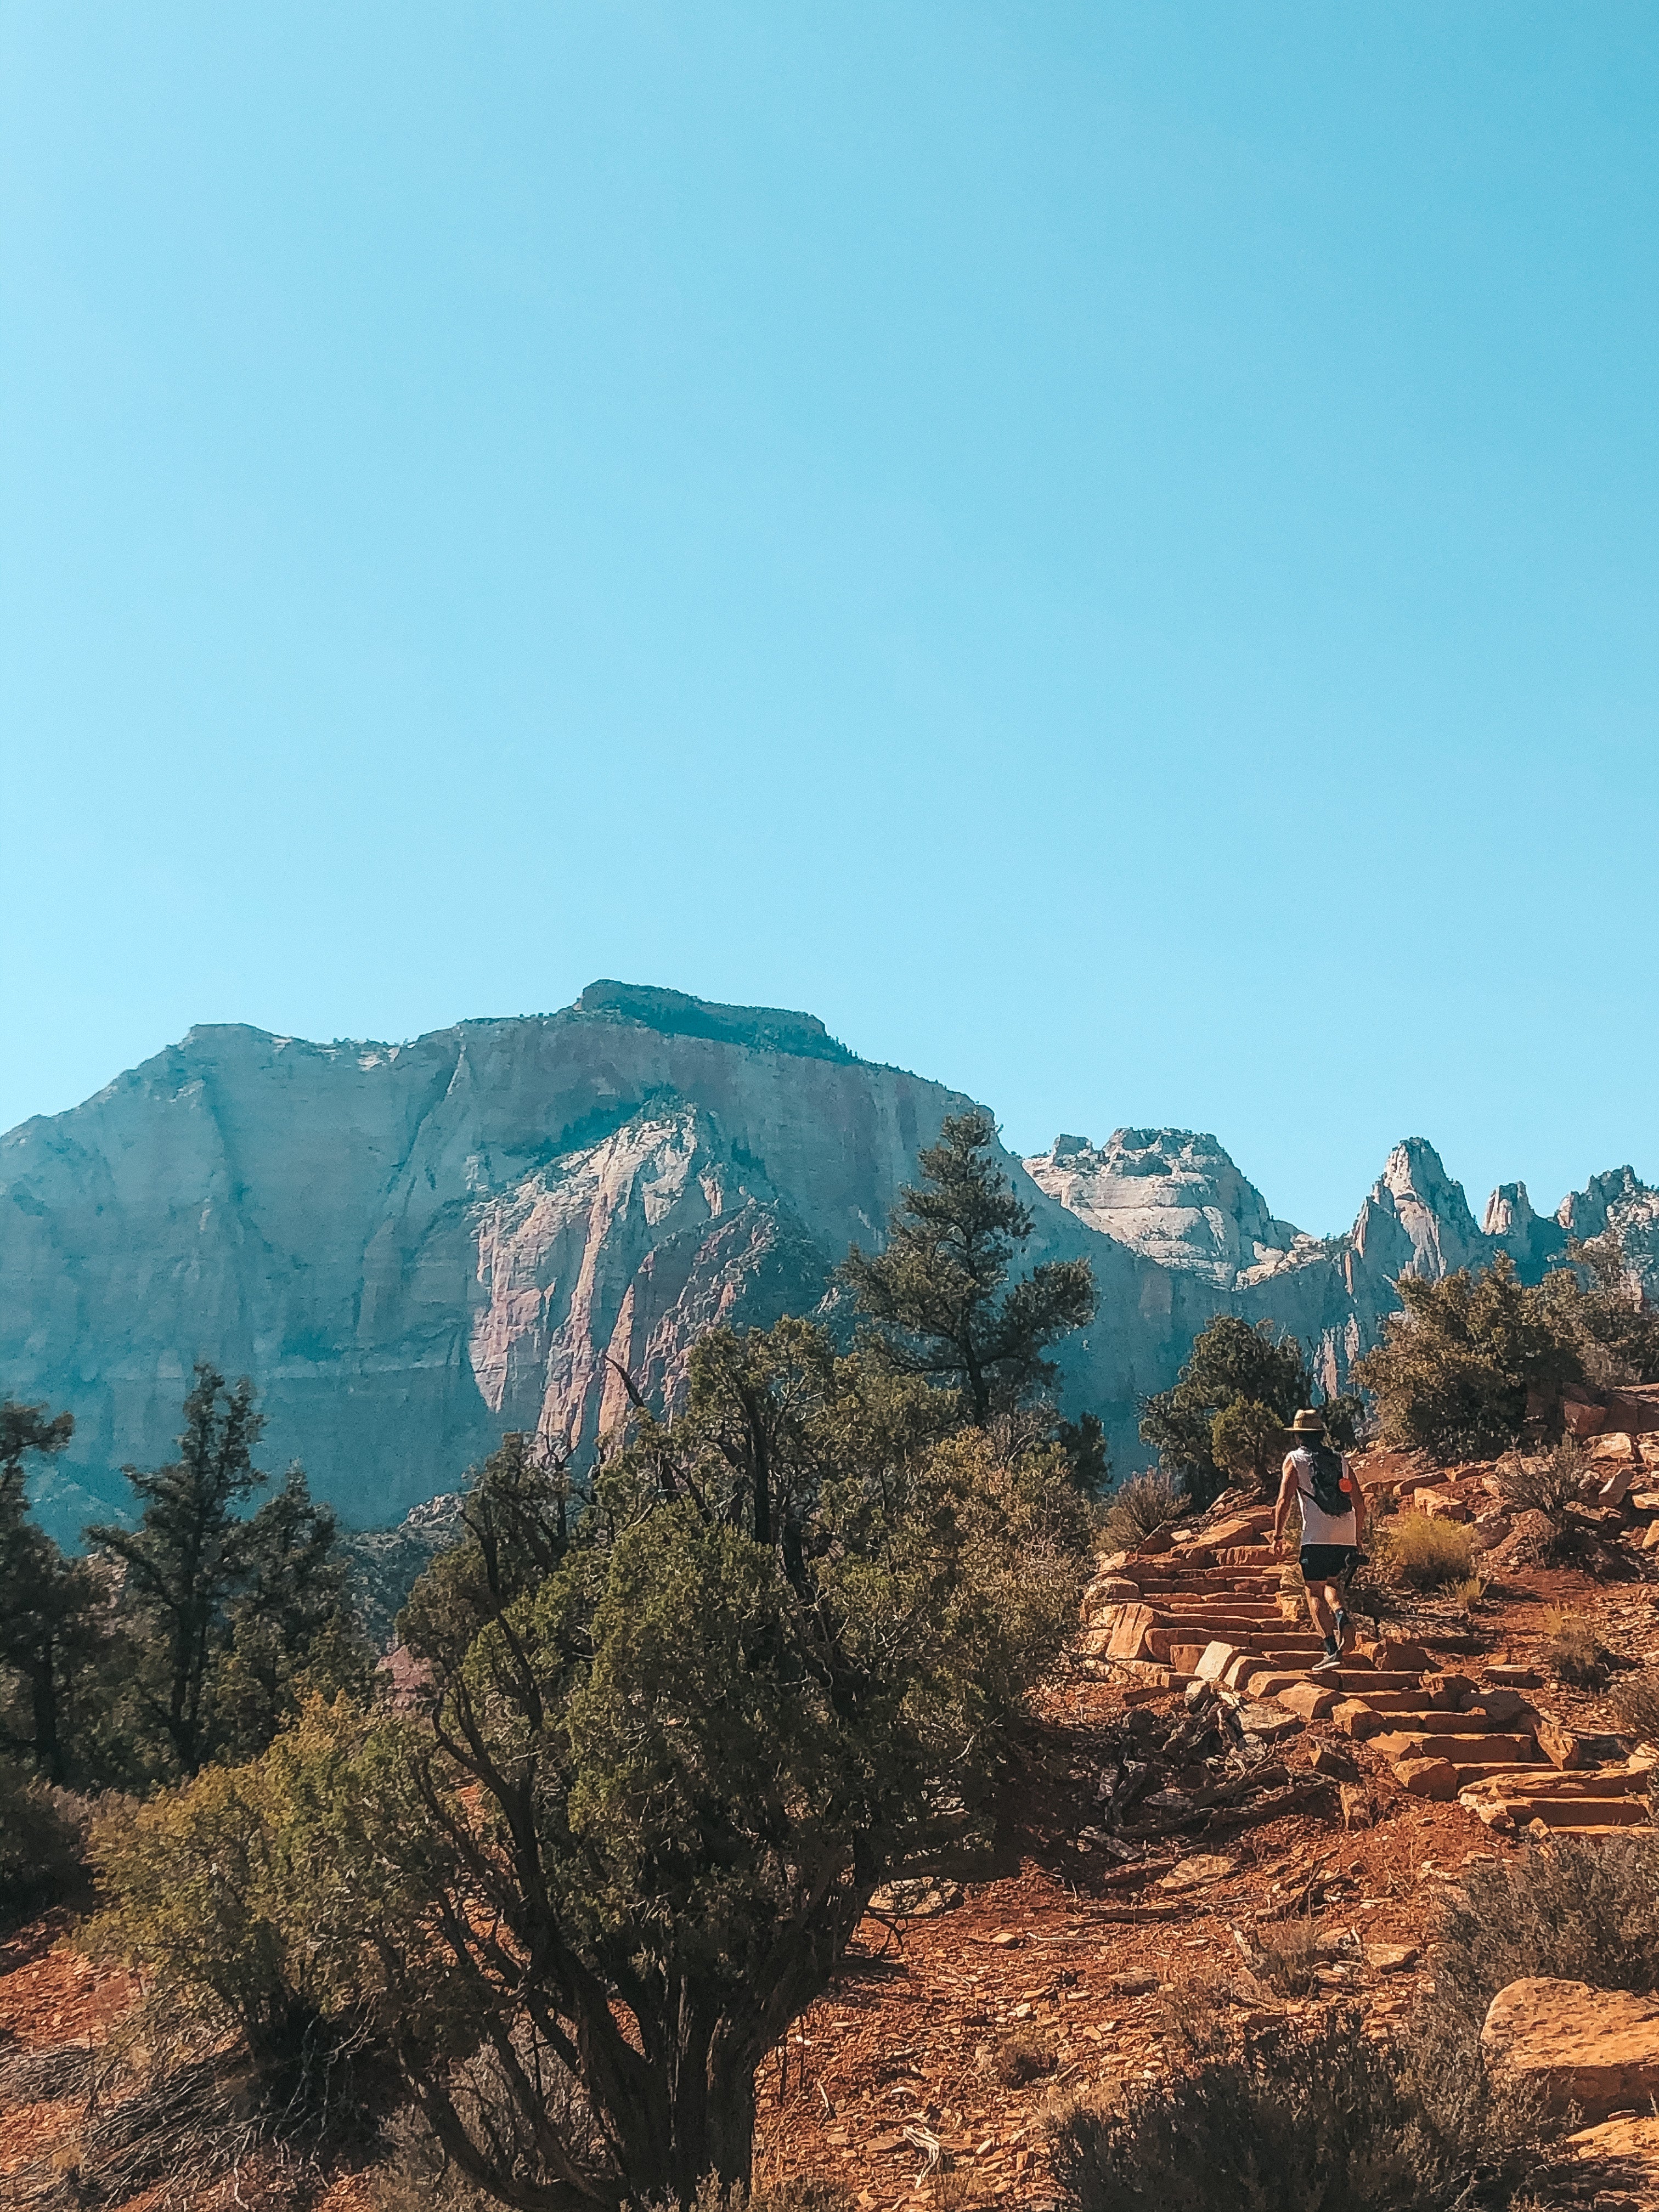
(1571, 1652)
(1576, 1913)
(935, 1297)
(1021, 2056)
(1547, 1482)
(1288, 1960)
(1635, 1704)
(1138, 1507)
(1308, 2116)
(1230, 1364)
(1424, 1552)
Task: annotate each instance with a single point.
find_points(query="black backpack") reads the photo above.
(1325, 1480)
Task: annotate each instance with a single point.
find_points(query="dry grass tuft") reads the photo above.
(1572, 1653)
(1635, 1705)
(1140, 1505)
(1021, 2056)
(1289, 1959)
(1427, 1552)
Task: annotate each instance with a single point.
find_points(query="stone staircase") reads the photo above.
(1207, 1608)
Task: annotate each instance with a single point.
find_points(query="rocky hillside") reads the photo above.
(410, 1248)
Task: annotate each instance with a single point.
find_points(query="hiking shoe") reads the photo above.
(1324, 1665)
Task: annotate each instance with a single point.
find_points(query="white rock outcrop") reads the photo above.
(411, 1248)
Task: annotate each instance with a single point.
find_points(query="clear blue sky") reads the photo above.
(1109, 552)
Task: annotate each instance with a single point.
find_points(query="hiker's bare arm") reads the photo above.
(1286, 1499)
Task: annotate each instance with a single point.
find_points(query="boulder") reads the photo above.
(1489, 1530)
(1560, 1746)
(1130, 1631)
(1269, 1722)
(1436, 1779)
(1332, 1762)
(1616, 2156)
(1581, 1417)
(1500, 1706)
(1447, 1691)
(1441, 1505)
(1214, 1660)
(1615, 1445)
(1311, 1700)
(1595, 2048)
(1389, 1958)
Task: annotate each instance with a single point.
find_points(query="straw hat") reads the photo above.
(1308, 1422)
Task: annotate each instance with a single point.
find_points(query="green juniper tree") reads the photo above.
(223, 1614)
(51, 1608)
(935, 1295)
(1231, 1364)
(679, 1732)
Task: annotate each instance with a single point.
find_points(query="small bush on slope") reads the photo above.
(1454, 1371)
(40, 1848)
(1428, 1553)
(1137, 1507)
(1312, 2116)
(1636, 1706)
(1572, 1911)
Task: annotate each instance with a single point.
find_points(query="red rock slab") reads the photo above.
(1595, 2048)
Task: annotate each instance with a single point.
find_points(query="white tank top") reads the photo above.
(1319, 1528)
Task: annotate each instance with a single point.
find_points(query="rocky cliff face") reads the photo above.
(1177, 1198)
(411, 1248)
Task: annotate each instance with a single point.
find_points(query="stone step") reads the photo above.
(1364, 1681)
(1461, 1750)
(1589, 1831)
(1565, 1811)
(1472, 1773)
(1569, 1789)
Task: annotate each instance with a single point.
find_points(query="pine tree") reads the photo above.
(50, 1606)
(935, 1295)
(227, 1614)
(1231, 1363)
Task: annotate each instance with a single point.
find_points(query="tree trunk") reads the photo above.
(43, 1697)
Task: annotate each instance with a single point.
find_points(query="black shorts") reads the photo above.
(1329, 1563)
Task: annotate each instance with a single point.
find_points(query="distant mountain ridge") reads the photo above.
(410, 1247)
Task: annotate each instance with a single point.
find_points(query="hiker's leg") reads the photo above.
(1319, 1604)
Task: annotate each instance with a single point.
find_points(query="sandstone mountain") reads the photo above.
(411, 1248)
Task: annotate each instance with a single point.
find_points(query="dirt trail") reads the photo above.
(1150, 1843)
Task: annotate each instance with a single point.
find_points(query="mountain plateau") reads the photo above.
(410, 1248)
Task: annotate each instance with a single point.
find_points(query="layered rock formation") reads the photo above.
(411, 1248)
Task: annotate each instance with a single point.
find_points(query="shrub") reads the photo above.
(1231, 1363)
(1289, 1957)
(1021, 2056)
(1546, 1485)
(1309, 2116)
(1455, 1370)
(39, 1847)
(1572, 1653)
(1426, 1552)
(1575, 1912)
(1636, 1706)
(1138, 1507)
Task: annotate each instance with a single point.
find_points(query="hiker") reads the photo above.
(1333, 1522)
